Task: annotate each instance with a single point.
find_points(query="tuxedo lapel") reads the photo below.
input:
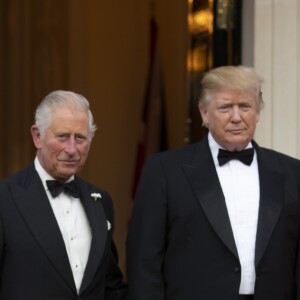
(98, 223)
(203, 178)
(34, 205)
(271, 201)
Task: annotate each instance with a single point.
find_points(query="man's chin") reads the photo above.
(237, 144)
(67, 172)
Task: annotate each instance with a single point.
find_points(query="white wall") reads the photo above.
(276, 56)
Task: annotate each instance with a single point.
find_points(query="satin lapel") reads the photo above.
(34, 205)
(271, 201)
(204, 180)
(98, 223)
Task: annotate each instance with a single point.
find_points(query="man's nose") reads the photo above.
(236, 114)
(71, 146)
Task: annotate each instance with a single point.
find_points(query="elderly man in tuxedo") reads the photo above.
(219, 219)
(55, 228)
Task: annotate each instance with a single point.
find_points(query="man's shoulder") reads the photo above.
(22, 176)
(277, 158)
(191, 154)
(278, 155)
(181, 153)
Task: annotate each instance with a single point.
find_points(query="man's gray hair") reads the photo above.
(60, 98)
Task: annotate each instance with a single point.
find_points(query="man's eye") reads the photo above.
(224, 108)
(245, 107)
(62, 137)
(80, 139)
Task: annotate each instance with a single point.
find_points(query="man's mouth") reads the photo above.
(236, 131)
(69, 162)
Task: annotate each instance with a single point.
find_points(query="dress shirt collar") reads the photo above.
(44, 175)
(214, 148)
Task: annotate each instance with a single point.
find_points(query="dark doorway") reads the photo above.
(215, 40)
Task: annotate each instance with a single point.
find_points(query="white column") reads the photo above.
(277, 59)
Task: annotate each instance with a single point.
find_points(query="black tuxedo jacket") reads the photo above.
(180, 244)
(34, 263)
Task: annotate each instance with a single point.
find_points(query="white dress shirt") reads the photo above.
(240, 185)
(73, 224)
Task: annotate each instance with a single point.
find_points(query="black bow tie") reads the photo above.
(245, 156)
(56, 187)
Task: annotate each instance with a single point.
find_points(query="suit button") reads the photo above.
(237, 269)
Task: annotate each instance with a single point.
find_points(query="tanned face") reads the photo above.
(231, 118)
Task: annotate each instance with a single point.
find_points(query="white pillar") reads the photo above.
(276, 57)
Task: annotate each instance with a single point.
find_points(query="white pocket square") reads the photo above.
(108, 225)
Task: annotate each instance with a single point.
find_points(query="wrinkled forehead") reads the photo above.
(69, 116)
(229, 94)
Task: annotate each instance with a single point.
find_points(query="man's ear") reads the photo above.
(257, 117)
(36, 136)
(203, 112)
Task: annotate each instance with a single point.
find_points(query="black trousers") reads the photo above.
(246, 297)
